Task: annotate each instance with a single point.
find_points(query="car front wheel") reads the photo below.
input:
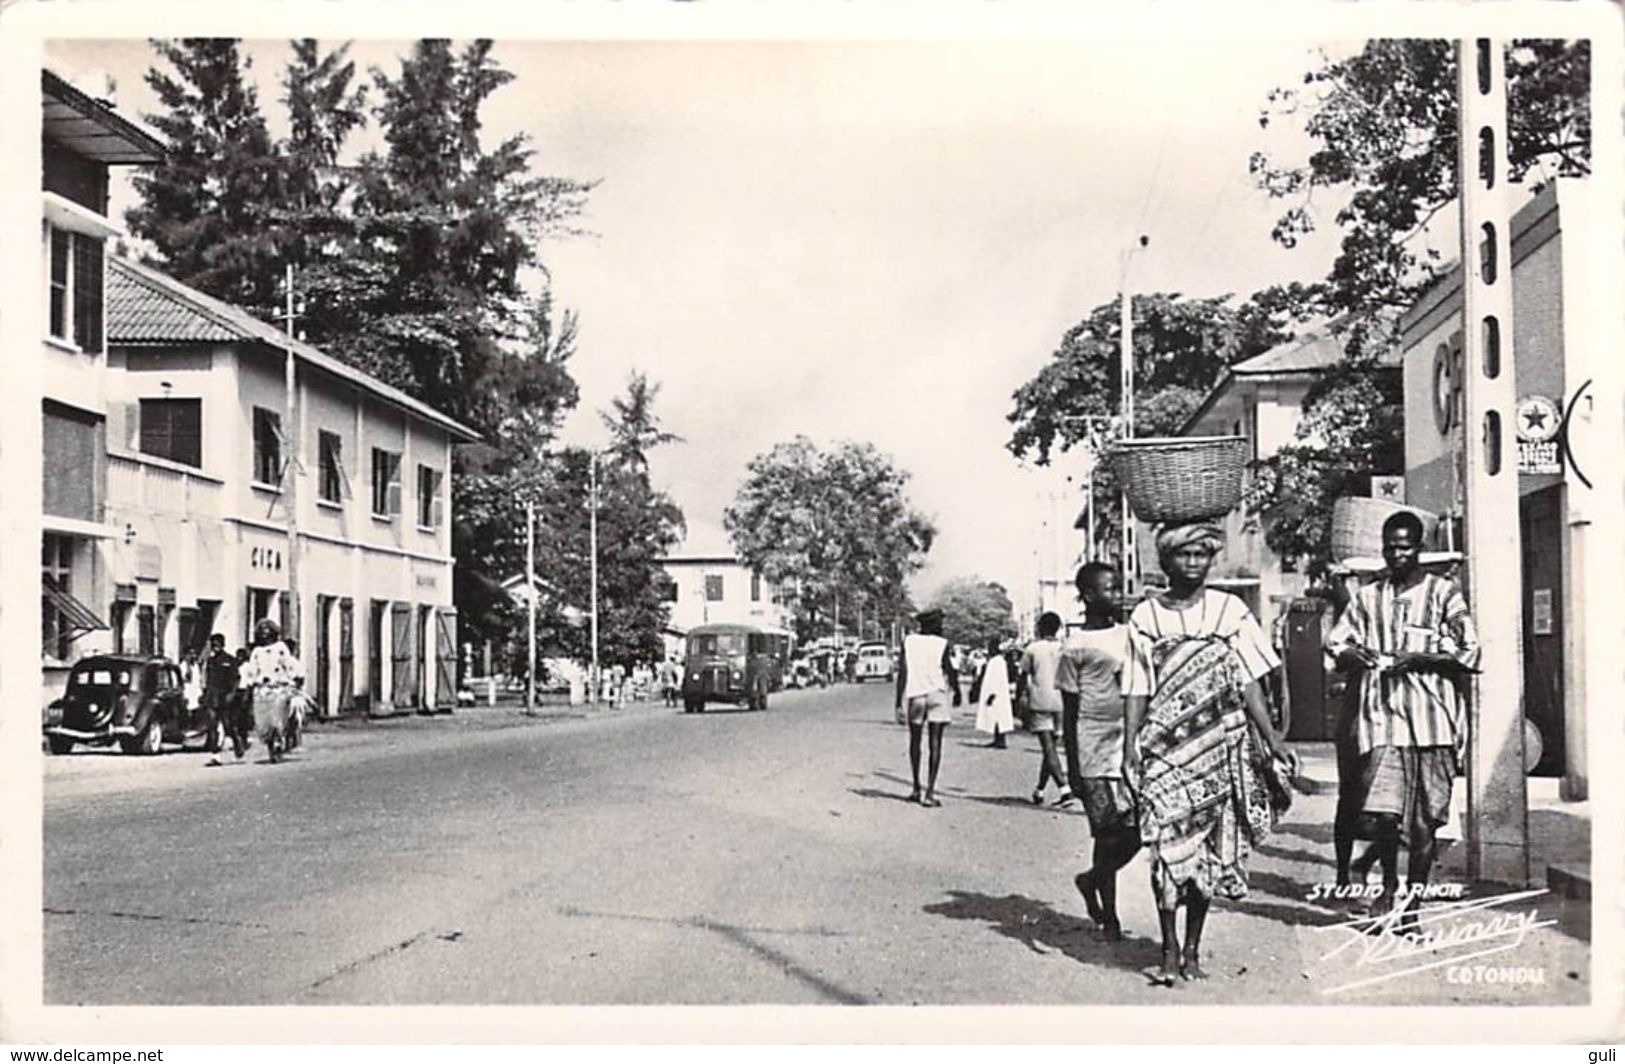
(59, 744)
(150, 739)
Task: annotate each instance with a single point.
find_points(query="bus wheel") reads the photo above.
(692, 705)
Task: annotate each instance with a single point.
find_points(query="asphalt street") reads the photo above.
(651, 857)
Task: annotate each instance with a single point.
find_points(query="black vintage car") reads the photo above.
(136, 701)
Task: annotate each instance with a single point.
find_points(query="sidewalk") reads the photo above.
(1559, 831)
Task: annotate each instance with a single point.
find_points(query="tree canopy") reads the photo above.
(830, 526)
(1384, 125)
(974, 611)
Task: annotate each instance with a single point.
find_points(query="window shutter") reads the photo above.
(87, 293)
(439, 512)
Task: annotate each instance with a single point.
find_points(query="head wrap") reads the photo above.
(1174, 538)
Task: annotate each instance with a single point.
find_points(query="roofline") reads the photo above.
(248, 327)
(727, 559)
(55, 85)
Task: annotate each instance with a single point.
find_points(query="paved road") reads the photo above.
(648, 857)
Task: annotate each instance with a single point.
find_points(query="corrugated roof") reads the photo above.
(1314, 351)
(145, 307)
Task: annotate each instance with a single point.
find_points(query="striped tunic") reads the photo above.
(1408, 709)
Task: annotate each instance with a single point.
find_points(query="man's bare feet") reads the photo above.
(930, 801)
(914, 795)
(1168, 973)
(1190, 967)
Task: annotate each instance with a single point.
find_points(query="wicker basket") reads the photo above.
(1357, 525)
(1181, 479)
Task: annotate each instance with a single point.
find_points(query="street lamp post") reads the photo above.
(592, 549)
(1129, 561)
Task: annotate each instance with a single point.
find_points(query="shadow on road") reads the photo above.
(870, 792)
(1043, 929)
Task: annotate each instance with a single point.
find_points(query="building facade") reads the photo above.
(1551, 346)
(82, 137)
(219, 488)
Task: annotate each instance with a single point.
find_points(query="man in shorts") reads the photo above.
(926, 679)
(1041, 663)
(1411, 642)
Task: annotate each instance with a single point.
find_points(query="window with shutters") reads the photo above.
(173, 429)
(56, 570)
(267, 447)
(756, 587)
(713, 589)
(429, 506)
(334, 483)
(61, 284)
(74, 314)
(386, 483)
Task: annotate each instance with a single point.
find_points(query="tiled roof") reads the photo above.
(1312, 352)
(144, 307)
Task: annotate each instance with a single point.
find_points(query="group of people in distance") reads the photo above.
(1169, 741)
(254, 691)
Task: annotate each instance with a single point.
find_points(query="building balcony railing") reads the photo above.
(156, 485)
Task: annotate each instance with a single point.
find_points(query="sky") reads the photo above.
(873, 241)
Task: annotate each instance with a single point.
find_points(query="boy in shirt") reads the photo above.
(1040, 664)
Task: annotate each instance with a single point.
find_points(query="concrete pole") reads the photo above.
(1497, 808)
(290, 489)
(530, 610)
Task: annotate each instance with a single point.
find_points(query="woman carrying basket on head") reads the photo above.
(1191, 688)
(272, 676)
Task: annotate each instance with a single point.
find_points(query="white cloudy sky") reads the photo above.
(873, 241)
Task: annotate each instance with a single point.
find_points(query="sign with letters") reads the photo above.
(1537, 420)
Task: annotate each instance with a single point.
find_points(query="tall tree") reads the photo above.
(1384, 125)
(1181, 347)
(446, 230)
(975, 610)
(208, 207)
(634, 428)
(828, 525)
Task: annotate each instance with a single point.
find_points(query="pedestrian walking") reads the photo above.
(1338, 591)
(1191, 686)
(671, 678)
(925, 680)
(1090, 679)
(991, 693)
(271, 676)
(1040, 663)
(219, 701)
(1410, 640)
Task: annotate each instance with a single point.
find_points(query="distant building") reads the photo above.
(201, 449)
(709, 584)
(82, 138)
(1262, 398)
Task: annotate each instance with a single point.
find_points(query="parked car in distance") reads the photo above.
(133, 700)
(874, 662)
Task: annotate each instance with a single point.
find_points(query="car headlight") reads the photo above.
(736, 674)
(693, 676)
(53, 714)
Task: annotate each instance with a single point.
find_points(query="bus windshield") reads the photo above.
(716, 643)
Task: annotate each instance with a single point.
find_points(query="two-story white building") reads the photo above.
(82, 137)
(203, 452)
(709, 584)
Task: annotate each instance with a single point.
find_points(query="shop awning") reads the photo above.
(76, 613)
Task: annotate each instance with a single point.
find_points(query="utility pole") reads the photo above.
(290, 487)
(1130, 560)
(1497, 803)
(592, 548)
(530, 630)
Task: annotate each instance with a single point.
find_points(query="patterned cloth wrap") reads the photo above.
(1202, 805)
(272, 707)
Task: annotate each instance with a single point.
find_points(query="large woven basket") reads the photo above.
(1186, 478)
(1357, 525)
